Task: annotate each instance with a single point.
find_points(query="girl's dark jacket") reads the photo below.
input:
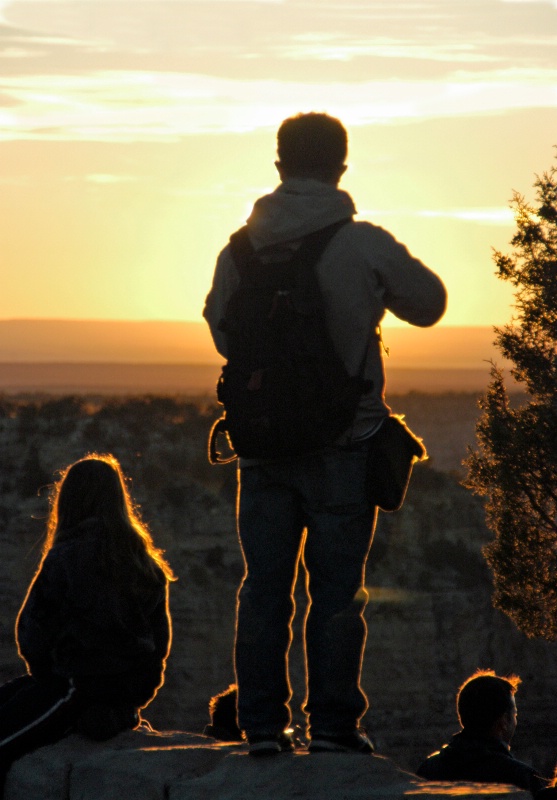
(77, 622)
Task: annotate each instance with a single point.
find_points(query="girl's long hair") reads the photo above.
(95, 487)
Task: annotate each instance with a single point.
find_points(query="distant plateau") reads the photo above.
(196, 379)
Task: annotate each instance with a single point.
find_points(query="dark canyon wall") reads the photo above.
(430, 618)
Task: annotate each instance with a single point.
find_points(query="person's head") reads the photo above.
(95, 488)
(312, 145)
(222, 710)
(485, 704)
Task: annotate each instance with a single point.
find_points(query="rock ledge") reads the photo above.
(182, 766)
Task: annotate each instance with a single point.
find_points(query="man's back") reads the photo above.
(363, 272)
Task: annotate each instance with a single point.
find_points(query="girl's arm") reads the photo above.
(162, 627)
(153, 673)
(39, 619)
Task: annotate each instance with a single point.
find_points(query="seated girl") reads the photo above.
(94, 628)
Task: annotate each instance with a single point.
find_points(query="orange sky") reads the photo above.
(25, 341)
(134, 137)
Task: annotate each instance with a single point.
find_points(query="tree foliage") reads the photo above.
(515, 464)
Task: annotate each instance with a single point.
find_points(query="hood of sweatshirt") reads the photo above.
(297, 207)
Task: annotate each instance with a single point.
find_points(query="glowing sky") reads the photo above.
(135, 135)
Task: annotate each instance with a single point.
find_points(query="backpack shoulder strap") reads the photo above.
(314, 244)
(241, 248)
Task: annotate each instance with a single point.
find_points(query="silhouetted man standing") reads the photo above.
(363, 272)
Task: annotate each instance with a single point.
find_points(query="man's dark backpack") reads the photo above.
(284, 389)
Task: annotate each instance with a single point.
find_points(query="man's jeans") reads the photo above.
(325, 493)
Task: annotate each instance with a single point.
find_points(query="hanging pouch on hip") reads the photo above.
(392, 453)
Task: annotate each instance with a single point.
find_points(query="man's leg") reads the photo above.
(270, 530)
(340, 532)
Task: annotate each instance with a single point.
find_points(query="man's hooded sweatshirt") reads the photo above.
(363, 272)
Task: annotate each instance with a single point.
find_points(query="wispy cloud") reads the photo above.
(188, 67)
(232, 38)
(483, 216)
(492, 216)
(107, 178)
(6, 3)
(531, 2)
(127, 106)
(332, 47)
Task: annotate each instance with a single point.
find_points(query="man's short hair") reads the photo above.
(483, 698)
(311, 142)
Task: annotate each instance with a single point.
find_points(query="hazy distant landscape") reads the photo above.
(196, 379)
(430, 617)
(131, 358)
(163, 342)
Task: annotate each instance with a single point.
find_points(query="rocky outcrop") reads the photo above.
(182, 766)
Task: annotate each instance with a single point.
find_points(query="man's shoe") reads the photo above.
(356, 742)
(269, 745)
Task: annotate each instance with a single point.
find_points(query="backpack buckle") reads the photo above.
(214, 455)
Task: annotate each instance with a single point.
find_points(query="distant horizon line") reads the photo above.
(196, 364)
(125, 377)
(387, 324)
(190, 342)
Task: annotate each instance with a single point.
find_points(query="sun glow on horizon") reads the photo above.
(131, 151)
